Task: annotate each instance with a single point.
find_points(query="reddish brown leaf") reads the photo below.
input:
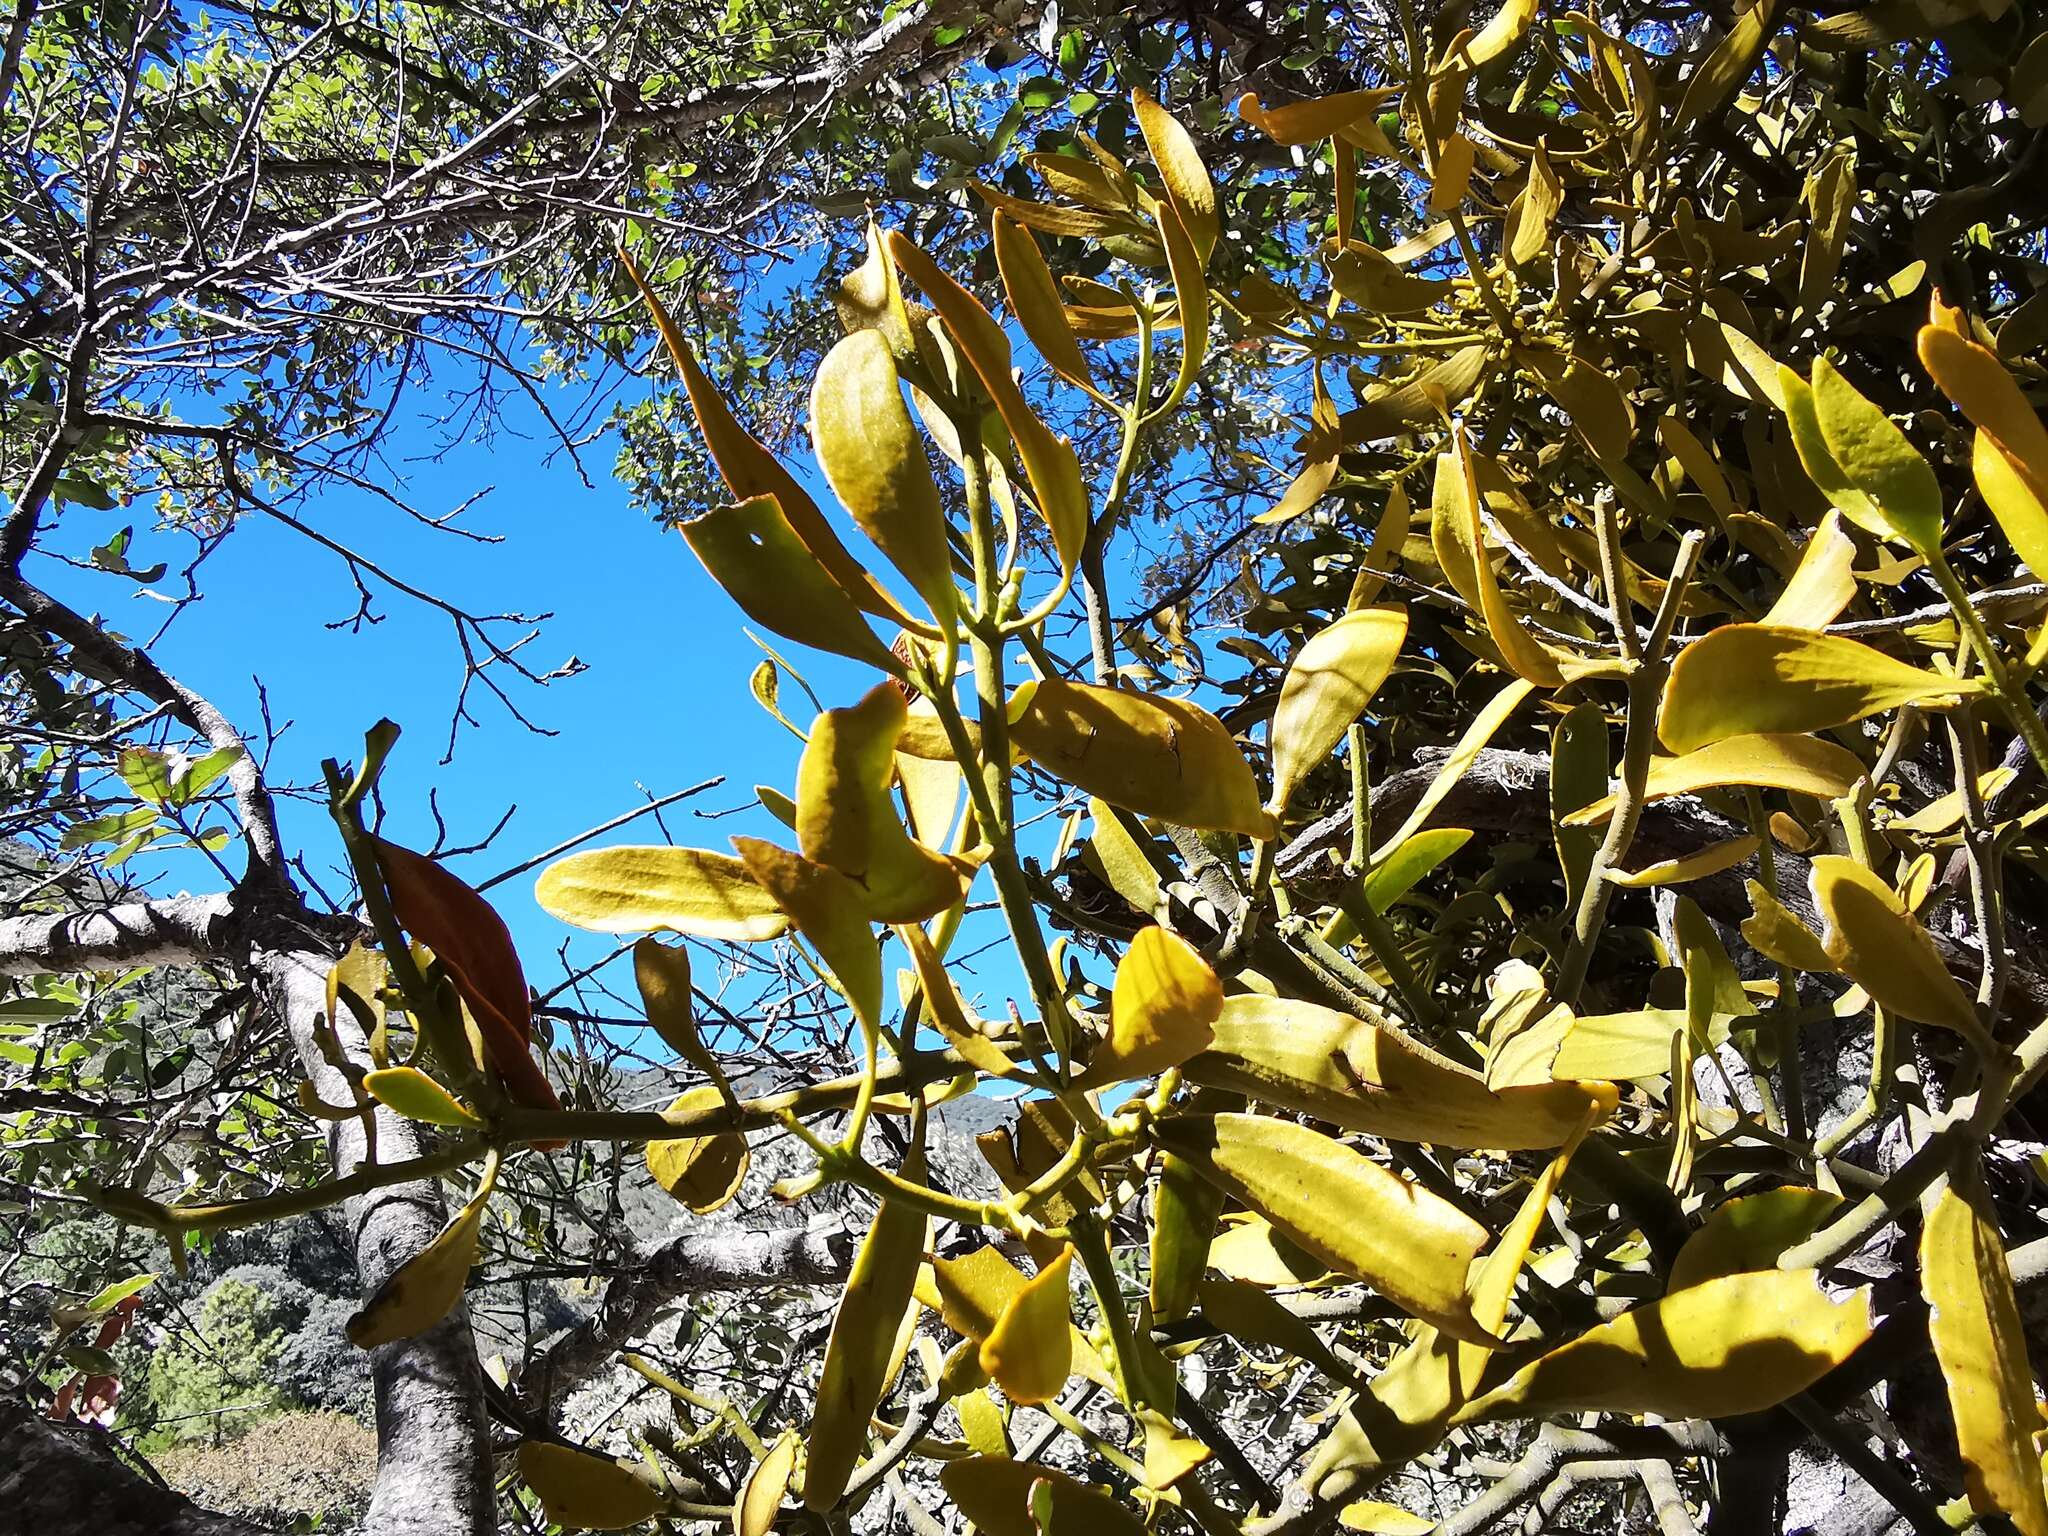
(473, 945)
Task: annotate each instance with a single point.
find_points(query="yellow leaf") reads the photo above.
(752, 473)
(1322, 117)
(1588, 395)
(943, 1005)
(995, 1493)
(1452, 177)
(417, 1097)
(1727, 64)
(1759, 679)
(1364, 275)
(1527, 233)
(1407, 865)
(1408, 1406)
(1710, 860)
(1775, 933)
(1302, 493)
(1341, 1209)
(1738, 1344)
(1157, 756)
(829, 910)
(1981, 1344)
(703, 1172)
(1248, 1249)
(1191, 297)
(1863, 463)
(1749, 1232)
(859, 1353)
(2017, 499)
(869, 298)
(581, 1492)
(1824, 582)
(981, 1424)
(1805, 765)
(1120, 860)
(1501, 33)
(1623, 1047)
(875, 461)
(1169, 1454)
(662, 974)
(1490, 718)
(1977, 381)
(1877, 943)
(1353, 1074)
(1383, 1519)
(635, 889)
(751, 551)
(1328, 685)
(1072, 223)
(425, 1288)
(975, 1289)
(1188, 187)
(1161, 1010)
(755, 1511)
(1028, 1352)
(845, 818)
(1049, 461)
(1035, 300)
(1184, 1210)
(1698, 463)
(1461, 548)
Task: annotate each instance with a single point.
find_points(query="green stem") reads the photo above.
(2011, 698)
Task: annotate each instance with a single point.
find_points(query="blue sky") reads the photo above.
(664, 702)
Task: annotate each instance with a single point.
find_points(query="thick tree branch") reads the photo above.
(57, 1478)
(180, 930)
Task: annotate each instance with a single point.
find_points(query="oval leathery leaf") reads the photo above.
(1980, 1342)
(1189, 191)
(858, 1353)
(1049, 461)
(1035, 300)
(1150, 754)
(1501, 33)
(636, 889)
(1354, 1074)
(974, 1290)
(845, 818)
(868, 298)
(1876, 942)
(1184, 1210)
(1329, 682)
(1891, 475)
(1247, 1248)
(662, 973)
(751, 473)
(1822, 584)
(704, 1172)
(995, 1493)
(582, 1492)
(1322, 117)
(1749, 1232)
(943, 1006)
(1624, 1047)
(1191, 298)
(2018, 500)
(1407, 1408)
(1793, 681)
(1162, 1006)
(753, 552)
(1737, 1344)
(426, 1287)
(1028, 1351)
(2010, 458)
(1408, 865)
(1713, 859)
(1342, 1209)
(828, 909)
(875, 461)
(475, 948)
(1806, 765)
(418, 1097)
(1776, 933)
(759, 1504)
